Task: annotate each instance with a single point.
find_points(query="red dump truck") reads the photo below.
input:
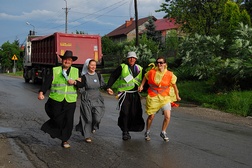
(42, 52)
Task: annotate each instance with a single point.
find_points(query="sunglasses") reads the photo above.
(160, 63)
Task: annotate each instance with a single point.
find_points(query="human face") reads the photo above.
(131, 61)
(91, 66)
(67, 63)
(160, 64)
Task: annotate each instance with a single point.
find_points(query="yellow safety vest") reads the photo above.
(60, 89)
(123, 84)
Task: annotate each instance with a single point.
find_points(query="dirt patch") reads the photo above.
(12, 156)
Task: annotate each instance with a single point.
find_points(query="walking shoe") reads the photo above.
(65, 144)
(126, 136)
(88, 140)
(164, 136)
(147, 136)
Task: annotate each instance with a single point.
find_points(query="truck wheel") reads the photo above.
(34, 78)
(25, 75)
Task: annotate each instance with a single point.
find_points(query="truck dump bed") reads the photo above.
(47, 49)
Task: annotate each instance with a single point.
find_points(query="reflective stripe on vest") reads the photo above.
(123, 85)
(62, 92)
(158, 90)
(163, 87)
(60, 89)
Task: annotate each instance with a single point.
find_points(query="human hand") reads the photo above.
(110, 91)
(178, 98)
(41, 96)
(71, 82)
(140, 88)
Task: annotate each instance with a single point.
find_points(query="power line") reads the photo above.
(100, 14)
(103, 9)
(90, 14)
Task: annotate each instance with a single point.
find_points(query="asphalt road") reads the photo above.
(199, 137)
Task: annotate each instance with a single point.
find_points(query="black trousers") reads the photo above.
(61, 114)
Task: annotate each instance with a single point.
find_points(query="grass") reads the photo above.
(18, 73)
(236, 102)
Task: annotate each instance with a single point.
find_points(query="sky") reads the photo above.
(48, 16)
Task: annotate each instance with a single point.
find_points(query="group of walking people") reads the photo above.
(66, 81)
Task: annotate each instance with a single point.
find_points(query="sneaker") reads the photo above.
(126, 136)
(164, 136)
(65, 144)
(88, 140)
(147, 136)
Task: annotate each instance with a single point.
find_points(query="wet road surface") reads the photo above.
(198, 137)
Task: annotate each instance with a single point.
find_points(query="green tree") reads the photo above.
(245, 18)
(109, 46)
(196, 16)
(230, 18)
(151, 30)
(80, 32)
(171, 43)
(229, 22)
(112, 51)
(247, 5)
(150, 44)
(206, 17)
(6, 53)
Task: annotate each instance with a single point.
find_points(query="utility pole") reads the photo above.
(136, 23)
(66, 11)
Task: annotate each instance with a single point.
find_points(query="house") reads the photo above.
(127, 30)
(165, 25)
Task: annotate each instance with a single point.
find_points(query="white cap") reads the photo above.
(131, 54)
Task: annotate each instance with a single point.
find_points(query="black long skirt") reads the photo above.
(131, 113)
(61, 114)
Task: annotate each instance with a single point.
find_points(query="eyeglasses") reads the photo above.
(160, 63)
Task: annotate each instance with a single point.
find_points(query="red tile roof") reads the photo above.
(123, 30)
(166, 24)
